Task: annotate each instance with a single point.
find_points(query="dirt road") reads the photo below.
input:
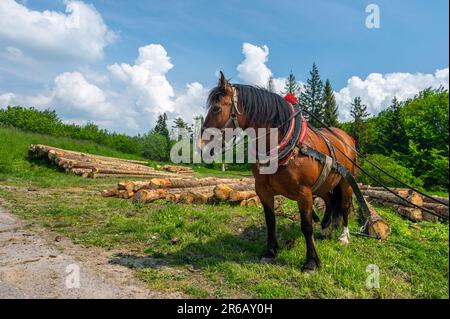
(39, 264)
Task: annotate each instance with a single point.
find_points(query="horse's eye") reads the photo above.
(216, 109)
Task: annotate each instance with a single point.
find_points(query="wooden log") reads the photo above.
(200, 197)
(149, 195)
(99, 170)
(223, 191)
(125, 194)
(108, 193)
(440, 209)
(376, 226)
(195, 182)
(237, 196)
(176, 168)
(44, 149)
(133, 185)
(442, 199)
(176, 197)
(252, 201)
(95, 175)
(413, 214)
(388, 197)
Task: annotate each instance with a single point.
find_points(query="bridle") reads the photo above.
(234, 113)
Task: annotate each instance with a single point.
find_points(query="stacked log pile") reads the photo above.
(188, 190)
(96, 166)
(382, 197)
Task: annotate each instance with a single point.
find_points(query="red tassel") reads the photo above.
(291, 98)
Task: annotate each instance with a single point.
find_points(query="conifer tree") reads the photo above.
(311, 96)
(161, 125)
(330, 111)
(291, 86)
(359, 114)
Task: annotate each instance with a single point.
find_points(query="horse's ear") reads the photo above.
(223, 83)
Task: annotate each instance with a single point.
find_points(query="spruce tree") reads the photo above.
(180, 123)
(359, 114)
(161, 125)
(311, 96)
(330, 111)
(291, 86)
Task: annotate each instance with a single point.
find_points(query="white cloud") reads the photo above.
(129, 104)
(146, 80)
(192, 102)
(378, 90)
(78, 33)
(253, 70)
(6, 99)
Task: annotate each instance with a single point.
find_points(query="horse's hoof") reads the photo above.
(310, 266)
(268, 260)
(345, 239)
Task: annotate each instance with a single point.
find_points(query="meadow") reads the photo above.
(212, 251)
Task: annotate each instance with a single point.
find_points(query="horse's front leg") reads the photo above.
(269, 213)
(305, 207)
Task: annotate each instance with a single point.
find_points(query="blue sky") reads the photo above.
(201, 37)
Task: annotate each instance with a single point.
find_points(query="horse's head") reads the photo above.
(224, 110)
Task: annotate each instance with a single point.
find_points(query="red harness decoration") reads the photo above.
(291, 98)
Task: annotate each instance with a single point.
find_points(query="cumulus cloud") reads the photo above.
(192, 102)
(377, 90)
(131, 105)
(146, 80)
(253, 70)
(78, 33)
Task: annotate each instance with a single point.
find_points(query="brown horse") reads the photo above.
(259, 108)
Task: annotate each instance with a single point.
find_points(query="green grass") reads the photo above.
(213, 251)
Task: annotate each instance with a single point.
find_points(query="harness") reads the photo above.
(292, 144)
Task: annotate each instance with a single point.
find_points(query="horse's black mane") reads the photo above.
(259, 105)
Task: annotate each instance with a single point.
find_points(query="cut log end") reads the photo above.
(376, 226)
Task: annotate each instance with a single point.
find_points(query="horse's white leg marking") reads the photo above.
(345, 236)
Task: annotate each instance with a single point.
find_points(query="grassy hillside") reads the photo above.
(14, 162)
(213, 251)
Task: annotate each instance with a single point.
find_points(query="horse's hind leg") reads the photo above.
(326, 221)
(305, 206)
(345, 207)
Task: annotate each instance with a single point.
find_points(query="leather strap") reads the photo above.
(342, 170)
(328, 165)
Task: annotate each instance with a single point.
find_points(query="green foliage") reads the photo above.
(330, 111)
(47, 122)
(414, 133)
(358, 127)
(15, 163)
(156, 146)
(311, 97)
(161, 125)
(291, 86)
(403, 173)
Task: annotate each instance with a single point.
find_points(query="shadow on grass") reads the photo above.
(246, 247)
